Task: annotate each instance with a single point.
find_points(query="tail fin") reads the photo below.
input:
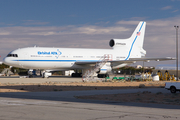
(137, 40)
(133, 46)
(138, 35)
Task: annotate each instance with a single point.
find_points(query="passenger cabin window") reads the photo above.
(12, 55)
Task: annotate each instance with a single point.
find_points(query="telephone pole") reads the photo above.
(177, 27)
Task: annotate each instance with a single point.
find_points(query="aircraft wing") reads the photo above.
(131, 60)
(1, 62)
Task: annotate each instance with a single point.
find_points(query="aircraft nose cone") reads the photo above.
(5, 60)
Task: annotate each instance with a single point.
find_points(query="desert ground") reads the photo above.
(75, 86)
(139, 97)
(144, 97)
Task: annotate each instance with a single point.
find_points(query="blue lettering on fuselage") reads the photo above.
(54, 53)
(58, 53)
(43, 53)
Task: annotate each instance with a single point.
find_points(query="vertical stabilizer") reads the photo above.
(133, 46)
(138, 35)
(137, 40)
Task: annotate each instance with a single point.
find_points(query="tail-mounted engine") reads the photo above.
(118, 42)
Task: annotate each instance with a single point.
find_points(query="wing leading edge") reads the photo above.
(131, 60)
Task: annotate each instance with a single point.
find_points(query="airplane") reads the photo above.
(123, 53)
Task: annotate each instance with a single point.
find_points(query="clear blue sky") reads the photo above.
(87, 23)
(74, 12)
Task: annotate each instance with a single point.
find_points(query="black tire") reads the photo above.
(99, 75)
(76, 75)
(173, 89)
(73, 75)
(102, 75)
(30, 76)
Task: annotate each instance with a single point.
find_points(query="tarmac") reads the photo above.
(65, 106)
(38, 79)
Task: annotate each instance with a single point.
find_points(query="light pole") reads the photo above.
(176, 27)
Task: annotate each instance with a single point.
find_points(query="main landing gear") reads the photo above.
(76, 75)
(102, 75)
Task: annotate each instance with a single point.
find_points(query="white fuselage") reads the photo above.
(58, 58)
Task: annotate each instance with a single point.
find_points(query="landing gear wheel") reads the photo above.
(30, 76)
(102, 75)
(76, 75)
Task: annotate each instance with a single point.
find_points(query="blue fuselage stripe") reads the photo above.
(131, 48)
(103, 69)
(57, 60)
(133, 43)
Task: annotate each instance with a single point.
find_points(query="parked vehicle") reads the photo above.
(172, 86)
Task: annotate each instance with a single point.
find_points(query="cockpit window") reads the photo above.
(12, 55)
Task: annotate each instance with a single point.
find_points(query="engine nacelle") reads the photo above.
(105, 69)
(118, 42)
(130, 48)
(46, 74)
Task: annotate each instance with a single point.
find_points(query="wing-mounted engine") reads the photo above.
(105, 69)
